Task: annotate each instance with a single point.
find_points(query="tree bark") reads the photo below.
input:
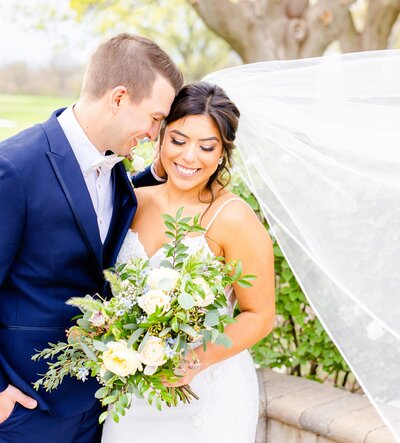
(286, 29)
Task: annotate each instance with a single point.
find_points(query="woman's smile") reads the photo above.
(186, 172)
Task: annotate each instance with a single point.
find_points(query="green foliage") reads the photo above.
(107, 342)
(298, 342)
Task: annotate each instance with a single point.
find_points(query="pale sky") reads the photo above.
(20, 40)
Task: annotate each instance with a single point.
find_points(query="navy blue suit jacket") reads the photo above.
(50, 251)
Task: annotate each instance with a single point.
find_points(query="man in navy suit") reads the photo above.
(65, 207)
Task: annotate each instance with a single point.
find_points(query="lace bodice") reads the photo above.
(132, 247)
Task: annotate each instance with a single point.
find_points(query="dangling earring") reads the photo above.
(220, 161)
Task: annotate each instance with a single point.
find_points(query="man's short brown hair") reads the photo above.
(132, 61)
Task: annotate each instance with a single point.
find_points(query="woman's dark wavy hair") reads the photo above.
(202, 98)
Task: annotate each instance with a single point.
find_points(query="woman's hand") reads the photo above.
(189, 368)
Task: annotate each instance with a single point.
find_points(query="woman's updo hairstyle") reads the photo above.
(202, 98)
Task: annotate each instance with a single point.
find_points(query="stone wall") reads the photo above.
(297, 410)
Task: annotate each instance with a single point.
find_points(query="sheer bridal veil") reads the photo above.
(319, 142)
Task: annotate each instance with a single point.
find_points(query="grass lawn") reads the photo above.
(18, 112)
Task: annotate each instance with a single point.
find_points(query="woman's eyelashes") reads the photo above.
(180, 143)
(176, 142)
(207, 148)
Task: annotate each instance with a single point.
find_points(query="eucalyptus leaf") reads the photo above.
(223, 340)
(168, 218)
(102, 392)
(186, 301)
(89, 353)
(99, 345)
(130, 326)
(211, 319)
(135, 337)
(83, 323)
(166, 264)
(114, 416)
(103, 417)
(188, 330)
(164, 332)
(214, 335)
(244, 283)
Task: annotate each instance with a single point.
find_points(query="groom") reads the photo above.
(65, 208)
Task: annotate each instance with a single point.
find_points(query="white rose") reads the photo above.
(138, 163)
(121, 360)
(152, 352)
(209, 295)
(153, 298)
(163, 278)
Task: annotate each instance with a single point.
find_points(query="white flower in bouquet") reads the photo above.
(209, 295)
(152, 351)
(121, 360)
(97, 319)
(153, 298)
(82, 374)
(163, 278)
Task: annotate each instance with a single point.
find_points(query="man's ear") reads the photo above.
(116, 97)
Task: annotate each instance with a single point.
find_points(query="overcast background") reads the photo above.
(23, 39)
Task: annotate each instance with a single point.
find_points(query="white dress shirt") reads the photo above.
(99, 183)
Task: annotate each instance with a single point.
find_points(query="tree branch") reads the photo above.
(381, 17)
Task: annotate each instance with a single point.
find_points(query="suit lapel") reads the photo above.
(124, 208)
(71, 180)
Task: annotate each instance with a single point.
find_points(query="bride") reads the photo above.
(196, 147)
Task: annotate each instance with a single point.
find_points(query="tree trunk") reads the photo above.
(286, 29)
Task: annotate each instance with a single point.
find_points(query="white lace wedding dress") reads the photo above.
(227, 410)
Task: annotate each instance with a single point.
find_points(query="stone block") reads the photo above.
(290, 407)
(355, 426)
(318, 418)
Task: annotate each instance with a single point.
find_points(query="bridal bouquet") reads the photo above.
(147, 331)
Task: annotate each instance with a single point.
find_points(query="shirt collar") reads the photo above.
(84, 150)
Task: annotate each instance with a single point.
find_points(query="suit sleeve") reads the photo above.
(145, 178)
(12, 219)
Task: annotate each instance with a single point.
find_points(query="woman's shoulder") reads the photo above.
(232, 208)
(231, 214)
(144, 194)
(237, 224)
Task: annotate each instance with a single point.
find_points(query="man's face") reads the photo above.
(134, 121)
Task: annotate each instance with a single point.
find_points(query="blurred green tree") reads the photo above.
(173, 24)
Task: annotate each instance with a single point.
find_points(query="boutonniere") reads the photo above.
(133, 163)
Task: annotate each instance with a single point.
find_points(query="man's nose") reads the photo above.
(154, 131)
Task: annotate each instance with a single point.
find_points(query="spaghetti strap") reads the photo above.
(221, 208)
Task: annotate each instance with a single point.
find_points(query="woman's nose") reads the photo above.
(190, 153)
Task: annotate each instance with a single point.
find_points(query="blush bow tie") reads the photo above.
(105, 163)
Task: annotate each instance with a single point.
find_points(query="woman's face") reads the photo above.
(190, 151)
